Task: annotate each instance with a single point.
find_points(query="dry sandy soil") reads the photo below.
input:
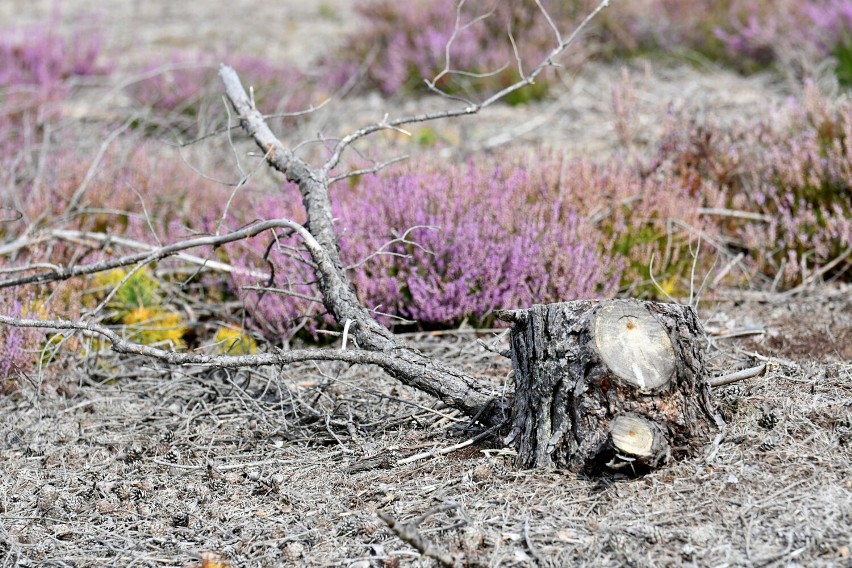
(122, 462)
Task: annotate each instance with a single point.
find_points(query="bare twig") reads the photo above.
(528, 79)
(740, 333)
(747, 215)
(283, 292)
(657, 284)
(122, 345)
(371, 170)
(408, 533)
(726, 269)
(117, 287)
(737, 376)
(382, 250)
(450, 449)
(64, 273)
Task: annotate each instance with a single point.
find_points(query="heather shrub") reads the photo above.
(40, 60)
(406, 42)
(486, 237)
(19, 345)
(139, 189)
(453, 243)
(749, 35)
(789, 171)
(37, 66)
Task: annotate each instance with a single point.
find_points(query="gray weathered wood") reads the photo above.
(609, 384)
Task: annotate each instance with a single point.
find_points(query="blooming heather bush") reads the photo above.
(749, 35)
(793, 168)
(36, 66)
(406, 40)
(39, 57)
(140, 189)
(491, 238)
(19, 346)
(411, 38)
(476, 237)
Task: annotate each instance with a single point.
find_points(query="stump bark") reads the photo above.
(608, 385)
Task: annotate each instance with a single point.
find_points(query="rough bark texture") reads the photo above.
(615, 384)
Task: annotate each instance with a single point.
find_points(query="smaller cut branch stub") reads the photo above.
(613, 384)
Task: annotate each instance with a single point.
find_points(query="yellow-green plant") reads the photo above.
(138, 305)
(231, 341)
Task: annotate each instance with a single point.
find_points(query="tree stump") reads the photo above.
(608, 385)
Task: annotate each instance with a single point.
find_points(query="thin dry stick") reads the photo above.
(118, 286)
(154, 254)
(371, 170)
(740, 333)
(382, 250)
(122, 345)
(449, 449)
(737, 376)
(224, 129)
(726, 269)
(657, 284)
(748, 215)
(408, 533)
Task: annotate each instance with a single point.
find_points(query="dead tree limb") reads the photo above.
(59, 273)
(454, 387)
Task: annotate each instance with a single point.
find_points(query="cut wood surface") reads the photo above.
(633, 345)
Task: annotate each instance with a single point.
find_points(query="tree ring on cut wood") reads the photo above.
(636, 436)
(634, 346)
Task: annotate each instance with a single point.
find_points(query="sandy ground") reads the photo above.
(124, 463)
(160, 466)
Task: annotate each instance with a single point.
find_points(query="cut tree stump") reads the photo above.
(608, 385)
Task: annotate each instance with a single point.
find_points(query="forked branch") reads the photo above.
(525, 80)
(375, 343)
